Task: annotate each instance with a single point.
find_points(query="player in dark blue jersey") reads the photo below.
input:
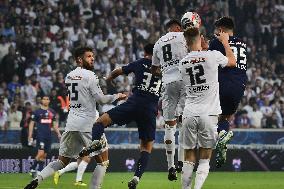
(232, 82)
(140, 107)
(44, 119)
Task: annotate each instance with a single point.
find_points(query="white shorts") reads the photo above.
(173, 100)
(72, 142)
(199, 131)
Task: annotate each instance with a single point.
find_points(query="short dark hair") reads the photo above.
(79, 52)
(148, 48)
(225, 22)
(190, 34)
(172, 22)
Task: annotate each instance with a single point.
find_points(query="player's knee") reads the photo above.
(104, 119)
(104, 163)
(86, 159)
(203, 166)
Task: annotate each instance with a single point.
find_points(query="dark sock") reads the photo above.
(142, 164)
(223, 125)
(34, 165)
(97, 131)
(40, 165)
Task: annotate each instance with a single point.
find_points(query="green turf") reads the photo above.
(216, 180)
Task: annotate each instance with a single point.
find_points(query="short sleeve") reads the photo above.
(215, 44)
(155, 58)
(97, 92)
(34, 116)
(221, 59)
(95, 85)
(129, 68)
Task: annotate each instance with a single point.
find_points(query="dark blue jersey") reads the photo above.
(44, 121)
(239, 48)
(146, 84)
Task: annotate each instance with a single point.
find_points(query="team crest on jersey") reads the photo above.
(74, 77)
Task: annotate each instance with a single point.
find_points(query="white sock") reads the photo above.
(98, 176)
(70, 167)
(80, 171)
(170, 135)
(201, 173)
(49, 170)
(186, 176)
(180, 153)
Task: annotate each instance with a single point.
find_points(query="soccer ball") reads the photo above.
(190, 19)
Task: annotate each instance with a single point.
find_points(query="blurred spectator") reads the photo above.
(255, 116)
(243, 121)
(14, 117)
(14, 87)
(38, 44)
(3, 117)
(26, 118)
(28, 91)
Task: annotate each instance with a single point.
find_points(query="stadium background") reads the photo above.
(36, 44)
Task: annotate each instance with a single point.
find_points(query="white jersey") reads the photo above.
(199, 71)
(167, 53)
(84, 91)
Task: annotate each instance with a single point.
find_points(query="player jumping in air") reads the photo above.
(84, 92)
(140, 107)
(168, 51)
(232, 81)
(199, 71)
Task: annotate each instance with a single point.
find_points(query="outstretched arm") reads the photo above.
(114, 74)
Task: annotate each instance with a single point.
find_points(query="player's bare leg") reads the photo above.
(145, 151)
(100, 170)
(224, 137)
(49, 170)
(169, 140)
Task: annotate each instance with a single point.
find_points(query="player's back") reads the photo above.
(82, 108)
(168, 51)
(199, 70)
(146, 86)
(237, 73)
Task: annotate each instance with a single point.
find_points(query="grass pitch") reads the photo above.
(158, 180)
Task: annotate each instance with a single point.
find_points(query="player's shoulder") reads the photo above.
(186, 58)
(215, 41)
(170, 36)
(80, 74)
(237, 41)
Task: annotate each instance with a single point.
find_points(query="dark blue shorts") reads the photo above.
(231, 93)
(43, 143)
(142, 112)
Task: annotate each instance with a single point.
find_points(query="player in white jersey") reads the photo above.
(199, 71)
(81, 165)
(84, 92)
(168, 51)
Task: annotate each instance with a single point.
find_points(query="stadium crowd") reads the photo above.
(38, 38)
